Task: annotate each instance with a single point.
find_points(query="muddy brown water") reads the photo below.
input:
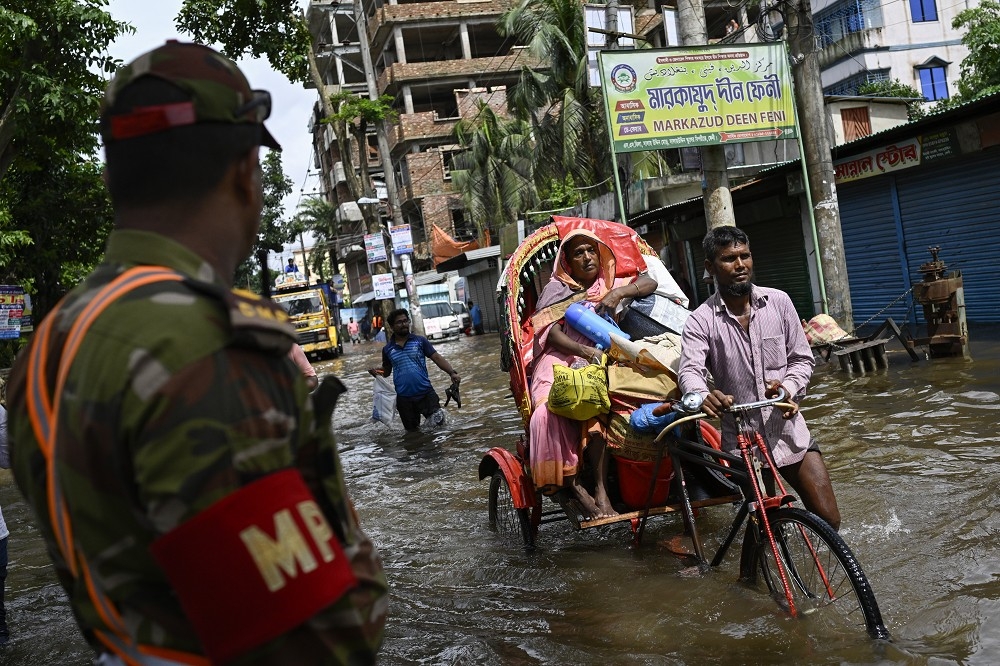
(915, 463)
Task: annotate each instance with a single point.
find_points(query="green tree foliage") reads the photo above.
(981, 68)
(51, 57)
(556, 196)
(495, 172)
(54, 211)
(896, 88)
(564, 110)
(352, 116)
(271, 29)
(274, 231)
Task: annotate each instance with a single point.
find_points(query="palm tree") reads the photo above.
(320, 217)
(495, 173)
(564, 110)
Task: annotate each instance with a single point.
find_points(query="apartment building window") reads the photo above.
(934, 80)
(923, 10)
(857, 122)
(845, 17)
(850, 85)
(446, 158)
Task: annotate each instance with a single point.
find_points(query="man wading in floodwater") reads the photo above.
(407, 354)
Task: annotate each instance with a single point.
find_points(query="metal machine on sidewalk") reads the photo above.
(942, 296)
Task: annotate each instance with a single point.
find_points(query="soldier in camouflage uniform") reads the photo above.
(186, 483)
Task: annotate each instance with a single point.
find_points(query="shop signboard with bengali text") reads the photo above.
(402, 239)
(698, 96)
(11, 308)
(375, 248)
(383, 284)
(900, 155)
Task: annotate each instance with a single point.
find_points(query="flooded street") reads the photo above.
(914, 460)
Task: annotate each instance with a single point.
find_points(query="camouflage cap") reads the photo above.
(219, 94)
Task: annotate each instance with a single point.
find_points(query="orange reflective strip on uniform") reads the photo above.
(38, 402)
(46, 411)
(103, 606)
(43, 408)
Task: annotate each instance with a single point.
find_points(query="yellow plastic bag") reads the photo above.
(579, 394)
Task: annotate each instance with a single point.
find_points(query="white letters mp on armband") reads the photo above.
(254, 565)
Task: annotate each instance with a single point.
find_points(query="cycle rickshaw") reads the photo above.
(802, 562)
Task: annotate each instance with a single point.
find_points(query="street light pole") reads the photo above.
(395, 208)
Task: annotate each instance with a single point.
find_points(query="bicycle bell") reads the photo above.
(691, 401)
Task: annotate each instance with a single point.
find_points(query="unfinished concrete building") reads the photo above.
(438, 61)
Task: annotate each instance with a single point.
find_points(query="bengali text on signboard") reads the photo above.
(402, 239)
(384, 289)
(11, 307)
(876, 162)
(375, 248)
(698, 96)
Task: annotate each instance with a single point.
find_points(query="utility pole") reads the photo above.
(717, 197)
(818, 145)
(382, 132)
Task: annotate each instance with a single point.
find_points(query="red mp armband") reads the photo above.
(254, 565)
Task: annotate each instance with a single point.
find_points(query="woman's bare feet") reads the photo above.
(594, 508)
(587, 504)
(604, 504)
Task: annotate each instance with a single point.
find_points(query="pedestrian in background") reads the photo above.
(354, 330)
(366, 329)
(477, 317)
(189, 464)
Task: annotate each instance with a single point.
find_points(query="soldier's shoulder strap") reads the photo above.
(43, 406)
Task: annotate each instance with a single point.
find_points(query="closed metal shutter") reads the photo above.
(874, 267)
(779, 261)
(482, 289)
(947, 204)
(954, 206)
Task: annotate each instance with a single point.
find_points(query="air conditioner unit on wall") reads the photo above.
(338, 173)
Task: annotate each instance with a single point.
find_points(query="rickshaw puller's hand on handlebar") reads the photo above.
(772, 391)
(716, 402)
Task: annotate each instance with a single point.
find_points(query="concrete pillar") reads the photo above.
(717, 197)
(397, 36)
(407, 99)
(463, 33)
(817, 145)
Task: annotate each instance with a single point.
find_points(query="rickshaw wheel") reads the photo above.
(511, 523)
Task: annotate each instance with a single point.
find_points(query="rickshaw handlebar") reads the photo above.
(776, 401)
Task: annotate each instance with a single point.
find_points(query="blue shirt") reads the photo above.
(476, 314)
(410, 364)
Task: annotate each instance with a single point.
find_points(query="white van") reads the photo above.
(440, 322)
(464, 318)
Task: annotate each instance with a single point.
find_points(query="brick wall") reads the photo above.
(468, 100)
(423, 11)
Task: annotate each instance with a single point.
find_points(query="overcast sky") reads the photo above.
(292, 104)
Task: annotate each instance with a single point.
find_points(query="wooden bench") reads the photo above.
(868, 354)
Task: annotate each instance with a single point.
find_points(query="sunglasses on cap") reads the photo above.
(260, 104)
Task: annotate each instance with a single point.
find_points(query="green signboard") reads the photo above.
(698, 96)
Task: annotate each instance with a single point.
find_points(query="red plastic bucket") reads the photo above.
(633, 482)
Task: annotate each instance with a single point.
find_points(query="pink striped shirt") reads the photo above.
(740, 364)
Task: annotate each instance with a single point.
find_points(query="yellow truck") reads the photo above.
(314, 316)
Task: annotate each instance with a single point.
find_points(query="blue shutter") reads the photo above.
(874, 267)
(953, 205)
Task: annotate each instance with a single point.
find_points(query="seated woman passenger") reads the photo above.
(585, 273)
